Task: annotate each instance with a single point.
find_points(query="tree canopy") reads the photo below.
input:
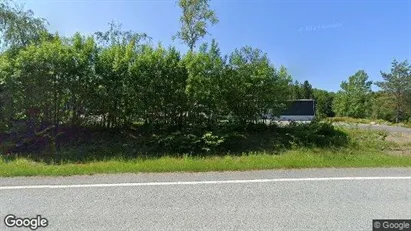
(397, 83)
(353, 99)
(116, 79)
(19, 27)
(195, 18)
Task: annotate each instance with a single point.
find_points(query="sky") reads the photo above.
(323, 42)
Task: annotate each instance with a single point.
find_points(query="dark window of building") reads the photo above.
(300, 107)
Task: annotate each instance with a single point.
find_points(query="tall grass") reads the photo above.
(367, 121)
(365, 149)
(291, 159)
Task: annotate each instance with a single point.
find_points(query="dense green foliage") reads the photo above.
(179, 99)
(397, 84)
(353, 100)
(324, 103)
(196, 15)
(19, 27)
(116, 80)
(58, 93)
(302, 90)
(366, 148)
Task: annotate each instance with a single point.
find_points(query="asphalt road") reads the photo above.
(315, 199)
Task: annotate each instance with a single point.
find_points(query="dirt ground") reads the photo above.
(400, 136)
(403, 141)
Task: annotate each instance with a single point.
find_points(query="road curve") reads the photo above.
(311, 199)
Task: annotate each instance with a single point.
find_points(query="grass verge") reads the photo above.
(366, 121)
(366, 149)
(291, 159)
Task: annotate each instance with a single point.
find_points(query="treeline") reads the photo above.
(117, 79)
(323, 99)
(356, 98)
(393, 102)
(77, 81)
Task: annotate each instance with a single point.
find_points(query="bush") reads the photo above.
(81, 144)
(315, 134)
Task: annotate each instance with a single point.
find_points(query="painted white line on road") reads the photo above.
(201, 182)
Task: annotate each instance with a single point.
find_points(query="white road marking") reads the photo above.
(201, 182)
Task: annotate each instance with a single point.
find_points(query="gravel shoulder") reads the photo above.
(388, 128)
(400, 136)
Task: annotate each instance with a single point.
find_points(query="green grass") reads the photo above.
(367, 121)
(358, 120)
(365, 149)
(291, 159)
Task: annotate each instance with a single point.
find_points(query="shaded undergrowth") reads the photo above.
(83, 144)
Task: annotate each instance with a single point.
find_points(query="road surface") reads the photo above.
(396, 129)
(313, 199)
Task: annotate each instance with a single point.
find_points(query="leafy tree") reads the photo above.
(117, 78)
(19, 27)
(296, 92)
(382, 106)
(290, 91)
(159, 83)
(83, 81)
(38, 91)
(112, 67)
(301, 90)
(253, 86)
(353, 99)
(307, 90)
(5, 71)
(397, 83)
(37, 81)
(204, 84)
(115, 35)
(114, 96)
(323, 100)
(408, 104)
(194, 20)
